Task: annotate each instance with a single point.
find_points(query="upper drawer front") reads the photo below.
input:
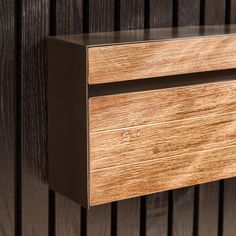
(154, 59)
(153, 141)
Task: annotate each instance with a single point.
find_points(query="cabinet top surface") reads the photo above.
(146, 35)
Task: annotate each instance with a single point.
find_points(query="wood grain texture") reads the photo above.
(131, 14)
(68, 217)
(183, 212)
(188, 12)
(214, 12)
(68, 19)
(232, 11)
(160, 13)
(208, 209)
(118, 185)
(68, 16)
(164, 58)
(34, 30)
(101, 15)
(166, 105)
(99, 220)
(128, 217)
(212, 131)
(157, 214)
(7, 117)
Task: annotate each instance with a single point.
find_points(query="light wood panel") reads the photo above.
(142, 108)
(141, 144)
(163, 58)
(164, 148)
(162, 174)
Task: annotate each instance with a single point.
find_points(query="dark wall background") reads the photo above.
(27, 206)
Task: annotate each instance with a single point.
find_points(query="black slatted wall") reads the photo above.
(27, 206)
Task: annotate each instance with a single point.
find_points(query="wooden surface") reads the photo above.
(214, 15)
(157, 214)
(160, 13)
(183, 212)
(7, 117)
(207, 110)
(156, 59)
(188, 12)
(70, 18)
(33, 104)
(208, 209)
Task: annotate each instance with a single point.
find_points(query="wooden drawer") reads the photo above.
(110, 141)
(162, 58)
(160, 140)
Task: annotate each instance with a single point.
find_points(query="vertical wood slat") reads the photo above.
(68, 19)
(229, 194)
(232, 11)
(34, 30)
(183, 212)
(229, 212)
(214, 12)
(157, 214)
(184, 199)
(68, 217)
(131, 16)
(157, 205)
(7, 116)
(100, 17)
(208, 209)
(99, 220)
(128, 215)
(160, 13)
(189, 12)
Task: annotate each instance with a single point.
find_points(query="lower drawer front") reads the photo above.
(157, 140)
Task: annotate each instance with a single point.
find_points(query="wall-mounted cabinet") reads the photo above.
(117, 131)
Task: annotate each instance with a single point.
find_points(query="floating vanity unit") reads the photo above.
(138, 112)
